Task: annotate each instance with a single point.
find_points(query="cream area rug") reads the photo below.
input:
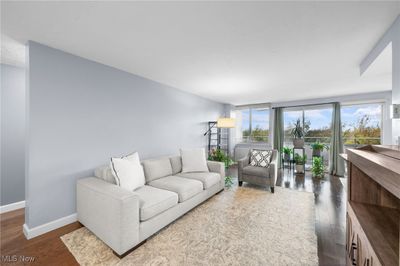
(239, 226)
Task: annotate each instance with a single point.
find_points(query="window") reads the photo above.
(361, 124)
(252, 125)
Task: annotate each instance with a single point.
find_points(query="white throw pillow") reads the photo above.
(128, 171)
(194, 160)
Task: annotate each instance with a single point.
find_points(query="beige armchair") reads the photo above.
(262, 176)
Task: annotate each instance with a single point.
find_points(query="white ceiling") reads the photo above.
(232, 52)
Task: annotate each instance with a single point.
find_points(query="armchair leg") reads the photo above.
(240, 183)
(272, 189)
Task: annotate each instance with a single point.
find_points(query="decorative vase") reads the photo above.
(298, 143)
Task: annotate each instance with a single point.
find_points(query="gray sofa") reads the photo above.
(123, 219)
(262, 176)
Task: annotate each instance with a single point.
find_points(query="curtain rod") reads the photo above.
(304, 105)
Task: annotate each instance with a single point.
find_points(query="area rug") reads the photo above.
(240, 226)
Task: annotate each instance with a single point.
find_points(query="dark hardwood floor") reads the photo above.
(48, 249)
(330, 213)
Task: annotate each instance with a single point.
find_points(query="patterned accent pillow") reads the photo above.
(260, 158)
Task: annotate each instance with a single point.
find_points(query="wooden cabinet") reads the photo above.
(373, 206)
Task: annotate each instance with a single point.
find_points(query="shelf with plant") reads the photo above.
(220, 156)
(298, 133)
(300, 161)
(286, 151)
(318, 147)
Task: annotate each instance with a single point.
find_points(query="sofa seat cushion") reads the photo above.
(207, 178)
(154, 201)
(185, 187)
(255, 170)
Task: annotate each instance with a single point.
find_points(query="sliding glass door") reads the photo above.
(316, 120)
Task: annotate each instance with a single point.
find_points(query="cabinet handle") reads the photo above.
(353, 248)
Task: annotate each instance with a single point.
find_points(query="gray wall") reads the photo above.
(12, 181)
(82, 112)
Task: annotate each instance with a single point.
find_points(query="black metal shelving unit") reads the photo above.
(218, 138)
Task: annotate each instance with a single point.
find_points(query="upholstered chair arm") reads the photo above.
(217, 167)
(241, 164)
(273, 168)
(112, 213)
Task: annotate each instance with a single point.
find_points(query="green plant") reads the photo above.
(286, 150)
(319, 146)
(228, 181)
(318, 167)
(300, 160)
(298, 132)
(220, 156)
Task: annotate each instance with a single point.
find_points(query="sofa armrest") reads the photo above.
(217, 167)
(273, 168)
(110, 212)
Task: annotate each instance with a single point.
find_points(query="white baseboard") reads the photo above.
(12, 207)
(50, 226)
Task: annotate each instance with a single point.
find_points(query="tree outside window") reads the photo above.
(253, 125)
(362, 124)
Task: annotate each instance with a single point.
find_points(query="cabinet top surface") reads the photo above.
(383, 158)
(380, 163)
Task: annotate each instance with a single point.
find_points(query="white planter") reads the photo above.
(298, 143)
(300, 169)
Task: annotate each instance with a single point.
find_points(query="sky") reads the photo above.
(319, 118)
(350, 114)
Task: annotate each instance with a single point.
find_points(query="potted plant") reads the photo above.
(286, 153)
(298, 134)
(300, 161)
(318, 167)
(220, 156)
(317, 148)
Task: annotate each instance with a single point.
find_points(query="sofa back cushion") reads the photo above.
(104, 172)
(194, 160)
(157, 168)
(176, 164)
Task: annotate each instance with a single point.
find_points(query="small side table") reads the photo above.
(290, 161)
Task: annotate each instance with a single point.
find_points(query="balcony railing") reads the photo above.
(348, 143)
